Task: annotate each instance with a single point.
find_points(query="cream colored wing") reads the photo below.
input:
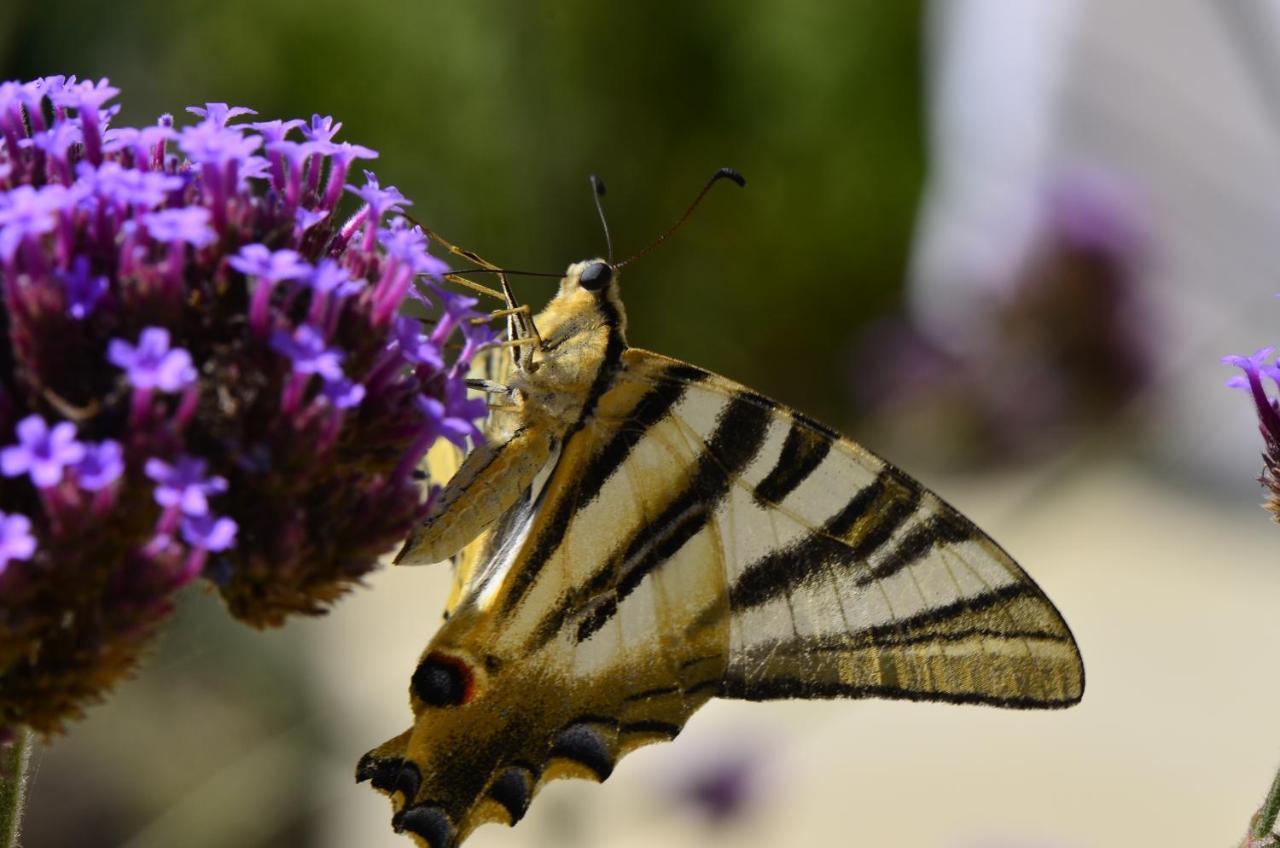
(847, 578)
(696, 539)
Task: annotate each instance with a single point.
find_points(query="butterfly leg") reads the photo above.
(533, 341)
(487, 484)
(488, 387)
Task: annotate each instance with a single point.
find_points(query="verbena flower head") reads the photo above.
(203, 372)
(1256, 369)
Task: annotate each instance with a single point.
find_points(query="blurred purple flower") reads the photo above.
(343, 393)
(26, 212)
(417, 348)
(83, 288)
(380, 201)
(408, 244)
(218, 114)
(330, 278)
(322, 130)
(188, 224)
(16, 541)
(1058, 343)
(212, 143)
(102, 465)
(185, 484)
(153, 364)
(723, 790)
(276, 130)
(42, 451)
(127, 186)
(310, 355)
(209, 532)
(257, 260)
(454, 418)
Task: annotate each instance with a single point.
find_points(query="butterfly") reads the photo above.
(638, 535)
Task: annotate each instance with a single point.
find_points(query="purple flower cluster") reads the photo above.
(204, 371)
(1258, 368)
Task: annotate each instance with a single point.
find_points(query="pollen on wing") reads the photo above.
(204, 373)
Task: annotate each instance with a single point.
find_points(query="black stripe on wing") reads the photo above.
(740, 430)
(802, 453)
(654, 406)
(866, 522)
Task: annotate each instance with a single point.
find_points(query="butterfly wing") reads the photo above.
(445, 458)
(696, 539)
(847, 578)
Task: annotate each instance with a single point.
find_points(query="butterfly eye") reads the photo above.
(595, 276)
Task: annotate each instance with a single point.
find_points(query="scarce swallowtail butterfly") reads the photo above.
(638, 536)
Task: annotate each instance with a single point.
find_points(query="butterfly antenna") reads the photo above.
(597, 192)
(722, 174)
(486, 267)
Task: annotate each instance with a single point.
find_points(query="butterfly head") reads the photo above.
(594, 277)
(590, 288)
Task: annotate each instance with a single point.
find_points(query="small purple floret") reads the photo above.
(83, 289)
(306, 347)
(380, 201)
(184, 484)
(211, 143)
(153, 364)
(409, 245)
(331, 278)
(42, 452)
(258, 260)
(416, 347)
(28, 212)
(188, 224)
(209, 532)
(16, 541)
(343, 393)
(322, 129)
(128, 186)
(219, 114)
(101, 466)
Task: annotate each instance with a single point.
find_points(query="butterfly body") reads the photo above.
(583, 338)
(643, 536)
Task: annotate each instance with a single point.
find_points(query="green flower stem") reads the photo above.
(1265, 821)
(14, 759)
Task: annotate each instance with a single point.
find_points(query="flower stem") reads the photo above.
(1264, 822)
(14, 759)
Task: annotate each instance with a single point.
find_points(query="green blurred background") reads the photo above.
(490, 115)
(1138, 518)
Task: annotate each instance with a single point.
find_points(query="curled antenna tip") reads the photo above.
(731, 174)
(597, 184)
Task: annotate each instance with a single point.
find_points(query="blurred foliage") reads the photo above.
(491, 114)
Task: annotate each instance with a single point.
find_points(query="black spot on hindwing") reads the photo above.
(586, 745)
(441, 681)
(381, 772)
(429, 822)
(513, 789)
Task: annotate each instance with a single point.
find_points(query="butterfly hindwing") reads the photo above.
(690, 539)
